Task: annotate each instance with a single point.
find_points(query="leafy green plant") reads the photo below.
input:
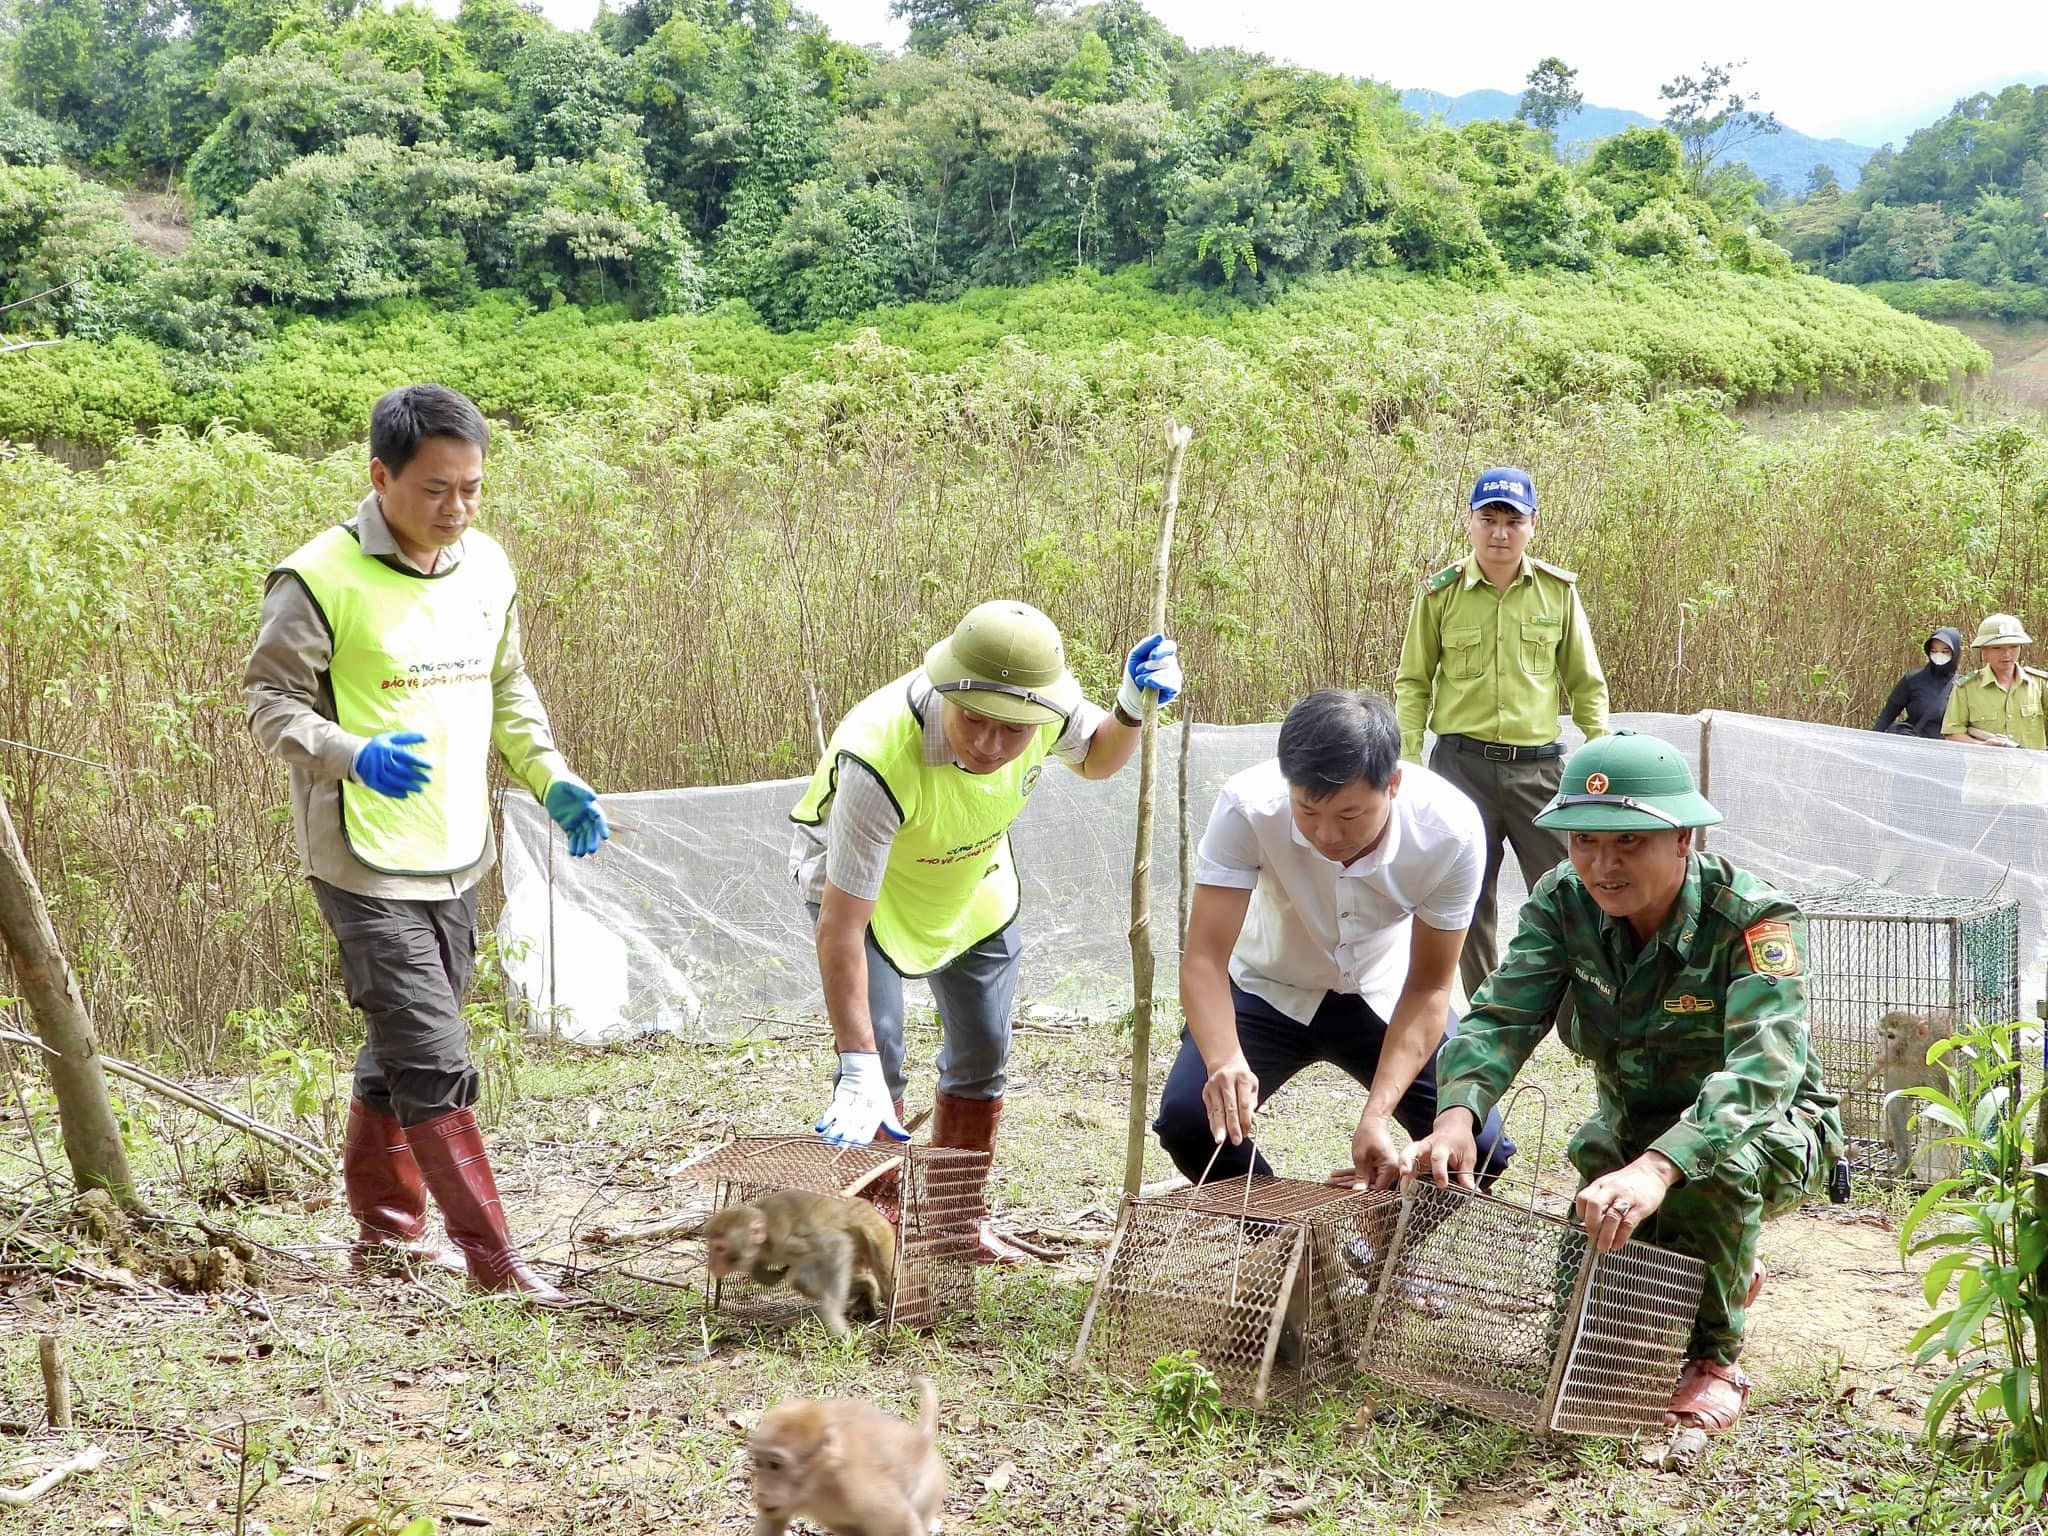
(1186, 1398)
(1988, 1230)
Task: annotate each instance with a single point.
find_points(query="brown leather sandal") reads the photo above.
(1710, 1397)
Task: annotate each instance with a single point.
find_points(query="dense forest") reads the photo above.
(1955, 223)
(326, 155)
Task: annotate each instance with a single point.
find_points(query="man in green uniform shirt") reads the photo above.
(1690, 989)
(1490, 643)
(2001, 703)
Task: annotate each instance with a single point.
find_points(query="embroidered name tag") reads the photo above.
(1594, 982)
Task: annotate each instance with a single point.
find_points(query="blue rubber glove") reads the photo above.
(576, 811)
(1155, 664)
(383, 764)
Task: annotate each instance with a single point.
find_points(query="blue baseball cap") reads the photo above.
(1509, 487)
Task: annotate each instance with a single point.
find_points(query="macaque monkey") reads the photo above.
(847, 1467)
(824, 1247)
(1903, 1042)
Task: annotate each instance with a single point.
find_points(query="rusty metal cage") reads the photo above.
(1261, 1276)
(1513, 1314)
(1873, 951)
(935, 1195)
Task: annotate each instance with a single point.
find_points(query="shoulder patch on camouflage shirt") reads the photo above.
(1446, 576)
(1554, 570)
(1772, 949)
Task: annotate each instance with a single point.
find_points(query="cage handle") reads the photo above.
(1243, 1206)
(1508, 1106)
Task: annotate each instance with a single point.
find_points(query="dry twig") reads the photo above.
(87, 1460)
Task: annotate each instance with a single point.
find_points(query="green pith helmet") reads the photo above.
(1626, 783)
(1005, 661)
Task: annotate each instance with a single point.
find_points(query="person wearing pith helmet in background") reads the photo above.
(902, 854)
(1689, 977)
(1491, 643)
(2001, 703)
(387, 670)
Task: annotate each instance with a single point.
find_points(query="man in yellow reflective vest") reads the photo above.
(902, 853)
(387, 667)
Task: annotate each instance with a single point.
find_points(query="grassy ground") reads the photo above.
(377, 1401)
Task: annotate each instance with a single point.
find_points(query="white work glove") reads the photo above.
(860, 1103)
(1154, 663)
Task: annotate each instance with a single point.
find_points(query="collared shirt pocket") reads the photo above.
(1540, 640)
(1465, 650)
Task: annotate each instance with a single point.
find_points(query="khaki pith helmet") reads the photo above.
(1627, 783)
(2000, 629)
(1005, 661)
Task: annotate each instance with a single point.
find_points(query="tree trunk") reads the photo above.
(92, 1141)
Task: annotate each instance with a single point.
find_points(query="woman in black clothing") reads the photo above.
(1918, 698)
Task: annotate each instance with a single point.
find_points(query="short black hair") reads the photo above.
(410, 414)
(1337, 736)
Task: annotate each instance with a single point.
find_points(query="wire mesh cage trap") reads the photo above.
(1932, 961)
(934, 1195)
(1513, 1314)
(1258, 1275)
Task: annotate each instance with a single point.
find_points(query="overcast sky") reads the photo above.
(1859, 73)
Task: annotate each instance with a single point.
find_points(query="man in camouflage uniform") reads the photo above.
(1491, 642)
(1690, 985)
(2001, 704)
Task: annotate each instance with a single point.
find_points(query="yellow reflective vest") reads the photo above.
(414, 652)
(950, 880)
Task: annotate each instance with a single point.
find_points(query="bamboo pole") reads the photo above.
(1177, 439)
(92, 1141)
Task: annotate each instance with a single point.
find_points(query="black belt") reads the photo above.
(1501, 752)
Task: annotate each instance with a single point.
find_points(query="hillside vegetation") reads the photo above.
(335, 155)
(1955, 223)
(1635, 327)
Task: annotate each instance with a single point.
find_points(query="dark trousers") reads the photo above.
(406, 964)
(1508, 795)
(1345, 1033)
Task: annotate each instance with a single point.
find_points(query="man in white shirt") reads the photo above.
(1333, 889)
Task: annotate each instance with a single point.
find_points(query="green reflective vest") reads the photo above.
(414, 653)
(950, 881)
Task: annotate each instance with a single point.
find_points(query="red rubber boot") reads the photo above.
(450, 1151)
(387, 1196)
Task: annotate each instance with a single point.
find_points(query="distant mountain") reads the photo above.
(1787, 155)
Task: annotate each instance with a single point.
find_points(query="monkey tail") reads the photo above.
(927, 1411)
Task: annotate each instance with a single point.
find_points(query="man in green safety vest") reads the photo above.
(902, 853)
(387, 667)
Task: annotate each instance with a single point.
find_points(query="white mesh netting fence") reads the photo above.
(689, 921)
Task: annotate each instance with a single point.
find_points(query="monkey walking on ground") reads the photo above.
(824, 1247)
(847, 1467)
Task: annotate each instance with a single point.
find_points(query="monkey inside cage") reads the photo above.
(932, 1195)
(1888, 975)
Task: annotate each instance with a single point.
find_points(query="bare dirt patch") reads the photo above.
(158, 221)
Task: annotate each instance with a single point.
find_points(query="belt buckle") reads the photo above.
(1497, 752)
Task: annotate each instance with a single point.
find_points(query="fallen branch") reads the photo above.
(303, 1152)
(56, 1381)
(87, 1460)
(689, 1224)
